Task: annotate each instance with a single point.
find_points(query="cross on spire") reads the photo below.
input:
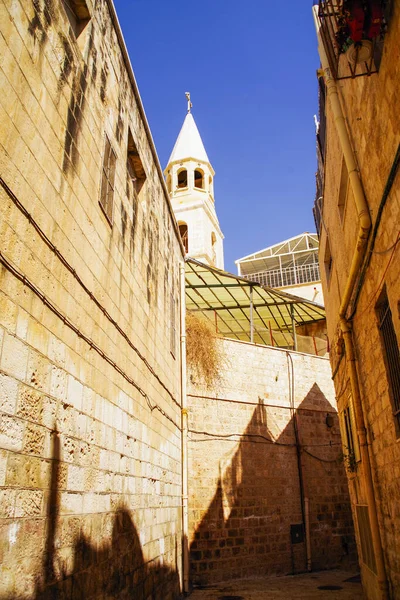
(187, 94)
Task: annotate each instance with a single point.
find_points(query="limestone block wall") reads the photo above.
(370, 106)
(90, 448)
(244, 467)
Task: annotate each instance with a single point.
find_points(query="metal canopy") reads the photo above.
(244, 310)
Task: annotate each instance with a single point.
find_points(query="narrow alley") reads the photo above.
(325, 585)
(177, 422)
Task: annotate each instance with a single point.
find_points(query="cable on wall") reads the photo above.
(246, 402)
(93, 346)
(325, 460)
(247, 437)
(227, 436)
(69, 267)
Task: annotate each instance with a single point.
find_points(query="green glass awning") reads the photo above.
(244, 310)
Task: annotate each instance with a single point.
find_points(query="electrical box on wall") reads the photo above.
(297, 533)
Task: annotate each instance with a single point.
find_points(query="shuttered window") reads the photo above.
(107, 181)
(173, 325)
(349, 431)
(391, 355)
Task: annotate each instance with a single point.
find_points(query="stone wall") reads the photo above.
(244, 470)
(90, 458)
(371, 109)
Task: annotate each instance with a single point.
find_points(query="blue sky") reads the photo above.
(251, 70)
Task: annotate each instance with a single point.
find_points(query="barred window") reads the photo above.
(107, 181)
(173, 325)
(391, 355)
(349, 431)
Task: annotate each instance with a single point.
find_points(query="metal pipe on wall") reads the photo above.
(184, 433)
(251, 316)
(299, 449)
(308, 539)
(293, 327)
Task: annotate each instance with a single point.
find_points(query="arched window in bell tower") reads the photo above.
(199, 179)
(182, 178)
(183, 230)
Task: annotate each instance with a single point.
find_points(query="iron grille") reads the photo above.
(392, 355)
(108, 181)
(347, 58)
(364, 532)
(277, 278)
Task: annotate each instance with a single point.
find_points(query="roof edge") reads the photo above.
(253, 254)
(136, 93)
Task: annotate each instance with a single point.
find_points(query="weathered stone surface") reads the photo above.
(244, 483)
(8, 394)
(82, 456)
(370, 106)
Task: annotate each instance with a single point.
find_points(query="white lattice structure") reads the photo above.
(291, 265)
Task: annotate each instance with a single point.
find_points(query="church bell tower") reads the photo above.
(190, 183)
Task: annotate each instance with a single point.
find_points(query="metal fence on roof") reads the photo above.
(287, 276)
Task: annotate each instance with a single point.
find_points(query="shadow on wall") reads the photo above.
(254, 524)
(106, 561)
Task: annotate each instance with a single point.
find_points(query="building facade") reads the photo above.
(190, 182)
(93, 477)
(255, 507)
(90, 366)
(358, 213)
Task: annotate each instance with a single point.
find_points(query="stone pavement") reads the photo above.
(324, 585)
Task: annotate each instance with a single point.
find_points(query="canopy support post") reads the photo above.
(293, 327)
(251, 316)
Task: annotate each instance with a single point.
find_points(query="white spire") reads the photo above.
(189, 143)
(190, 183)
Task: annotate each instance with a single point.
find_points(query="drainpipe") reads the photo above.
(293, 328)
(251, 316)
(308, 533)
(184, 427)
(364, 226)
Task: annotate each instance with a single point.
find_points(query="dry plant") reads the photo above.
(204, 357)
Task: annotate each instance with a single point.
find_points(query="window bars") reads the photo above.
(352, 32)
(391, 355)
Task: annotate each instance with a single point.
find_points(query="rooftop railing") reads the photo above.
(287, 276)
